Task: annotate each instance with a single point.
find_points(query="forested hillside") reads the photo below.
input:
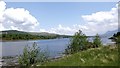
(20, 35)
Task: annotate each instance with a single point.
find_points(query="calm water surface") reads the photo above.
(53, 46)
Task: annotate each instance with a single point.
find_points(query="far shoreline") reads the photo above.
(26, 40)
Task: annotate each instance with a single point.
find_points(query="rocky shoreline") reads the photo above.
(9, 61)
(13, 60)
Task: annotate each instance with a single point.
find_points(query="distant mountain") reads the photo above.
(110, 33)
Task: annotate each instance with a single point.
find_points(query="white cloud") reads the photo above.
(59, 30)
(99, 22)
(43, 30)
(64, 30)
(21, 19)
(16, 18)
(103, 21)
(2, 8)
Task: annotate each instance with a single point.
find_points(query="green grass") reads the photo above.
(102, 56)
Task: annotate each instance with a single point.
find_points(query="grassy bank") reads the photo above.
(102, 56)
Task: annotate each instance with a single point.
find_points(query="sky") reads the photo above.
(59, 17)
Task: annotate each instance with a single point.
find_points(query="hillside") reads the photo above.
(12, 32)
(102, 56)
(22, 32)
(21, 35)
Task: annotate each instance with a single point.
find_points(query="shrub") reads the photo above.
(32, 55)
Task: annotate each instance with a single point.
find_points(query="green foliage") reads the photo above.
(97, 41)
(32, 55)
(78, 43)
(16, 36)
(24, 37)
(20, 35)
(116, 38)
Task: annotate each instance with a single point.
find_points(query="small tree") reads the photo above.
(97, 41)
(77, 43)
(32, 55)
